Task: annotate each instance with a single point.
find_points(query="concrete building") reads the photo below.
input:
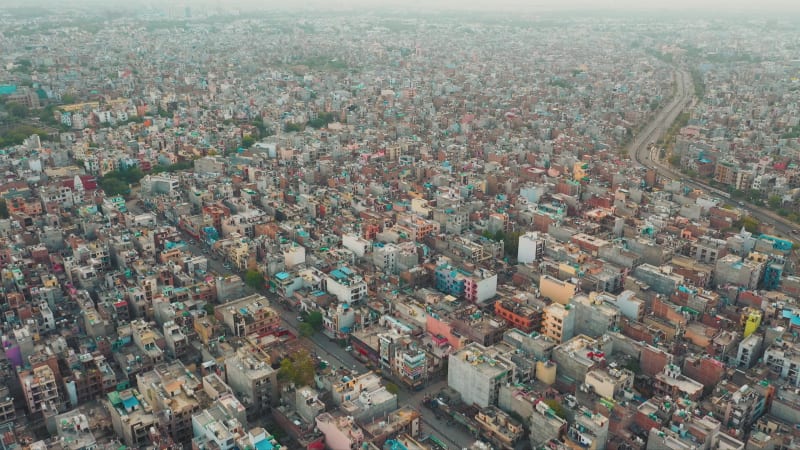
(171, 391)
(73, 431)
(749, 351)
(476, 287)
(214, 428)
(732, 269)
(593, 317)
(659, 279)
(341, 432)
(576, 357)
(405, 420)
(346, 285)
(671, 382)
(131, 416)
(308, 404)
(247, 316)
(477, 373)
(783, 359)
(499, 428)
(609, 383)
(531, 247)
(385, 258)
(557, 290)
(362, 397)
(589, 431)
(39, 387)
(253, 380)
(356, 244)
(559, 322)
(547, 424)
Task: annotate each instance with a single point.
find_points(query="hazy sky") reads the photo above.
(707, 6)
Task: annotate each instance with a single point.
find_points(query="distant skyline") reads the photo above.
(705, 6)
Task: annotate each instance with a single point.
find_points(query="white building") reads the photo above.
(346, 285)
(531, 247)
(385, 258)
(356, 244)
(477, 373)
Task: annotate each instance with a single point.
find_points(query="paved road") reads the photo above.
(640, 153)
(335, 355)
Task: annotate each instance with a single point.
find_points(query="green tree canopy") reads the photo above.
(297, 368)
(291, 127)
(315, 320)
(774, 201)
(254, 279)
(556, 407)
(3, 209)
(305, 329)
(248, 141)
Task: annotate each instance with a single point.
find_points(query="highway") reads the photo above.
(641, 153)
(335, 355)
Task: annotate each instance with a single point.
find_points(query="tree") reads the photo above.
(315, 320)
(750, 224)
(113, 186)
(556, 407)
(3, 209)
(17, 111)
(392, 388)
(297, 368)
(292, 127)
(774, 201)
(209, 309)
(254, 279)
(248, 141)
(305, 329)
(512, 243)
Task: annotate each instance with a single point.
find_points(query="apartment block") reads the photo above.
(131, 416)
(477, 373)
(346, 285)
(253, 380)
(247, 316)
(40, 389)
(172, 392)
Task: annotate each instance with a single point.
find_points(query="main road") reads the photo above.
(640, 152)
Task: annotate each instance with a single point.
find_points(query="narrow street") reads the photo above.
(336, 356)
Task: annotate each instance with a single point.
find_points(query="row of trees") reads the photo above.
(119, 181)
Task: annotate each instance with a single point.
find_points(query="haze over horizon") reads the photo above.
(705, 6)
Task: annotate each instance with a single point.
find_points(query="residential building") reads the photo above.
(132, 417)
(477, 373)
(531, 247)
(172, 392)
(251, 315)
(558, 322)
(253, 380)
(346, 285)
(39, 387)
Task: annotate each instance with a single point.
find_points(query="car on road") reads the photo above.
(300, 319)
(796, 231)
(349, 348)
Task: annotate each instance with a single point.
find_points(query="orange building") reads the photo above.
(519, 316)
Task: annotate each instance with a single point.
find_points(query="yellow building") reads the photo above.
(556, 290)
(751, 320)
(559, 322)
